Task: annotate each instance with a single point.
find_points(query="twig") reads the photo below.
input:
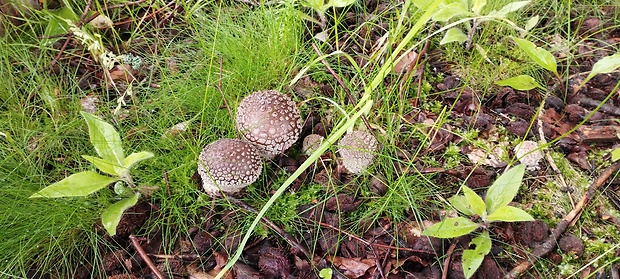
(146, 16)
(136, 245)
(368, 243)
(446, 263)
(470, 35)
(607, 108)
(219, 88)
(70, 35)
(419, 69)
(385, 259)
(549, 244)
(291, 241)
(543, 142)
(341, 83)
(126, 4)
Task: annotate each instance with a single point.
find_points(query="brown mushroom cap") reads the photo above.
(270, 121)
(312, 143)
(357, 150)
(228, 165)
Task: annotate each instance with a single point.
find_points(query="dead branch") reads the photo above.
(341, 83)
(291, 241)
(136, 245)
(446, 263)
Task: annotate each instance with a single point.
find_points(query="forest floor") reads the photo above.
(440, 117)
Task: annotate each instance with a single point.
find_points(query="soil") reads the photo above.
(390, 249)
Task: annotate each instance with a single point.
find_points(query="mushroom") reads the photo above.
(357, 150)
(270, 121)
(228, 165)
(312, 143)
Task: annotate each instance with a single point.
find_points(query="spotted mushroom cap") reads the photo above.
(270, 121)
(228, 165)
(312, 143)
(357, 150)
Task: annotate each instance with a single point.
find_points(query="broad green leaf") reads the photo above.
(136, 157)
(76, 185)
(422, 4)
(478, 5)
(531, 23)
(475, 202)
(541, 56)
(615, 154)
(314, 4)
(482, 242)
(606, 65)
(112, 215)
(451, 10)
(340, 3)
(504, 189)
(451, 227)
(472, 258)
(326, 273)
(521, 82)
(453, 34)
(509, 8)
(509, 214)
(103, 165)
(122, 190)
(460, 203)
(105, 139)
(57, 23)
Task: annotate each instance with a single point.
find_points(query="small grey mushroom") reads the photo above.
(270, 121)
(228, 165)
(312, 143)
(357, 150)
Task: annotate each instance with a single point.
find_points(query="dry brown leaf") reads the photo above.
(353, 267)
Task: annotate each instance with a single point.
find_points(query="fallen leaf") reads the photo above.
(273, 262)
(353, 267)
(405, 63)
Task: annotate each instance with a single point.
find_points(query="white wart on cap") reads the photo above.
(270, 121)
(228, 165)
(357, 150)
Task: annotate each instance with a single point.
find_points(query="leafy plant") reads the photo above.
(546, 60)
(326, 273)
(615, 154)
(320, 7)
(468, 11)
(493, 208)
(111, 161)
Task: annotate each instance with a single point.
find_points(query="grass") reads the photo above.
(216, 57)
(57, 230)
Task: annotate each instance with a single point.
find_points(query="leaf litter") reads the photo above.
(386, 248)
